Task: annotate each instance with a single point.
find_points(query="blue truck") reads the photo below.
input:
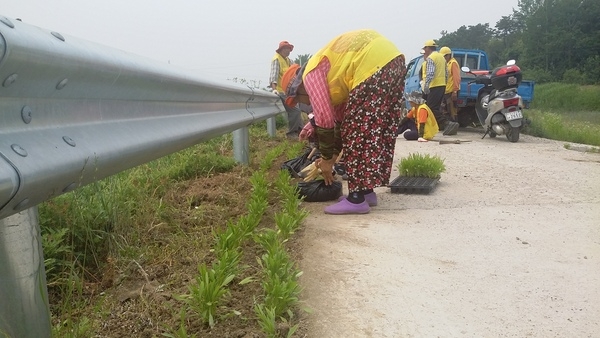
(475, 59)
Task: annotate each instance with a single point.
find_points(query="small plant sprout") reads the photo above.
(418, 165)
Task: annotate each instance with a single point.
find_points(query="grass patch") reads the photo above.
(565, 97)
(419, 165)
(562, 127)
(565, 112)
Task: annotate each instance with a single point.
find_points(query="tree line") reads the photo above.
(551, 40)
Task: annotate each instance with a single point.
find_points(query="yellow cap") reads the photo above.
(429, 43)
(445, 50)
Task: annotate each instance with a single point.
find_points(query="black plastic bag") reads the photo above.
(295, 165)
(317, 191)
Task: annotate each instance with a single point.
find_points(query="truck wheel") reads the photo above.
(513, 134)
(467, 117)
(463, 120)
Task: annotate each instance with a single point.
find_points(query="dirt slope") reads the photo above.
(507, 245)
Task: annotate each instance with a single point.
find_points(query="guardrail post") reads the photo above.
(241, 145)
(271, 126)
(24, 309)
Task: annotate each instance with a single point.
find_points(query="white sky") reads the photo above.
(227, 39)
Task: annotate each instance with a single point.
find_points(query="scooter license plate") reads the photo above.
(513, 115)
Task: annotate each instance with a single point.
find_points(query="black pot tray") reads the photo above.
(413, 185)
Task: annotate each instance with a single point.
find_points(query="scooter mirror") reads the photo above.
(466, 69)
(511, 62)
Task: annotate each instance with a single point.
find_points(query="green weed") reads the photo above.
(266, 319)
(563, 97)
(206, 295)
(565, 112)
(560, 126)
(181, 332)
(280, 284)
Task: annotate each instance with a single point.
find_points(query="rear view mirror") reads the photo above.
(466, 69)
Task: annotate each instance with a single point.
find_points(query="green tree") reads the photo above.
(545, 37)
(588, 43)
(528, 7)
(475, 37)
(302, 59)
(507, 42)
(591, 70)
(561, 35)
(509, 28)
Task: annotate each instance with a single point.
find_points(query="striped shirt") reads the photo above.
(316, 86)
(274, 77)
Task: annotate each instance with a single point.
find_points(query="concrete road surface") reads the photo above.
(507, 245)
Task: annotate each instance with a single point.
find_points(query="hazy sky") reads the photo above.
(226, 39)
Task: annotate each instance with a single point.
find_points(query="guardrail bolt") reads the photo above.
(7, 22)
(26, 114)
(69, 141)
(58, 36)
(62, 84)
(10, 80)
(19, 150)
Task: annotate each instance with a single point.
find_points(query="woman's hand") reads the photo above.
(306, 132)
(326, 167)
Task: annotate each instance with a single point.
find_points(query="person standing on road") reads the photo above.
(279, 65)
(434, 85)
(425, 127)
(355, 86)
(452, 84)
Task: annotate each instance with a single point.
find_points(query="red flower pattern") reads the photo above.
(369, 127)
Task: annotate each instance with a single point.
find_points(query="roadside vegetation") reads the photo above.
(189, 245)
(566, 112)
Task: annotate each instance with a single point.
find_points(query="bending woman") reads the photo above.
(355, 86)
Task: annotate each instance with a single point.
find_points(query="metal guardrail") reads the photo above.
(73, 112)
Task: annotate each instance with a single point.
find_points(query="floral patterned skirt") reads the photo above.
(368, 130)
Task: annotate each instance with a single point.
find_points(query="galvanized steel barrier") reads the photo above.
(73, 112)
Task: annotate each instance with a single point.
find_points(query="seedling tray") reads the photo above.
(413, 185)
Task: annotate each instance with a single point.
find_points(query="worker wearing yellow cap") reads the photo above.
(434, 85)
(452, 84)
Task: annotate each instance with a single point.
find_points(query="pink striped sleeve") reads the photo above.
(316, 86)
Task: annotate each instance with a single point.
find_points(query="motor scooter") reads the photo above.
(499, 108)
